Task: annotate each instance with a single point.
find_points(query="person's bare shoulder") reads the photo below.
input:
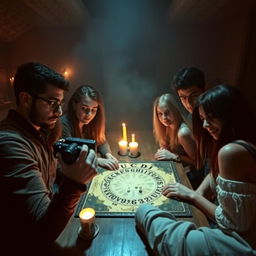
(185, 134)
(235, 162)
(231, 151)
(184, 131)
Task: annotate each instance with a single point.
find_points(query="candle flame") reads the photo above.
(133, 137)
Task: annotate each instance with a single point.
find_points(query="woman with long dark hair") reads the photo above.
(224, 127)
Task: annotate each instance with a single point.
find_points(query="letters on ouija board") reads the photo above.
(119, 193)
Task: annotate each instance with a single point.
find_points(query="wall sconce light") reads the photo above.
(66, 73)
(11, 80)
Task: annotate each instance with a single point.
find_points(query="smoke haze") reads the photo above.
(118, 54)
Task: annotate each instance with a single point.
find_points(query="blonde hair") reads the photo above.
(168, 136)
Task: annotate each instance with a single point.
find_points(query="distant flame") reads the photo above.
(66, 73)
(11, 80)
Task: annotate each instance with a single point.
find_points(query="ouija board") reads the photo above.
(121, 192)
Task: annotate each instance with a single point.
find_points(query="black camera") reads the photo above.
(70, 148)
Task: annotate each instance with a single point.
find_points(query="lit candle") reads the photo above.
(123, 147)
(124, 132)
(133, 137)
(133, 147)
(87, 219)
(87, 215)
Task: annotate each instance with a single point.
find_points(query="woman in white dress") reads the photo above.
(224, 128)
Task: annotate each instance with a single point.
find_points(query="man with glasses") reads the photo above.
(53, 103)
(31, 215)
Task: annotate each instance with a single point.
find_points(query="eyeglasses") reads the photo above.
(54, 105)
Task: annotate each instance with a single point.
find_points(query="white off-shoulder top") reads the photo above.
(237, 207)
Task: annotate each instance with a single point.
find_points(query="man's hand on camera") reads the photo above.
(83, 169)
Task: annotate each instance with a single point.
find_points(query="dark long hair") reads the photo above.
(229, 105)
(96, 128)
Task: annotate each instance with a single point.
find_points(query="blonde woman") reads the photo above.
(173, 135)
(85, 118)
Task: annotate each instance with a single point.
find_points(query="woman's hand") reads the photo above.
(164, 154)
(182, 193)
(179, 192)
(110, 156)
(110, 162)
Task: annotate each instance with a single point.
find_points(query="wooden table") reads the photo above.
(118, 236)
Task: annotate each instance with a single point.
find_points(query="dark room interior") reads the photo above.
(129, 50)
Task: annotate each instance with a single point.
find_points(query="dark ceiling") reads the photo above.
(19, 16)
